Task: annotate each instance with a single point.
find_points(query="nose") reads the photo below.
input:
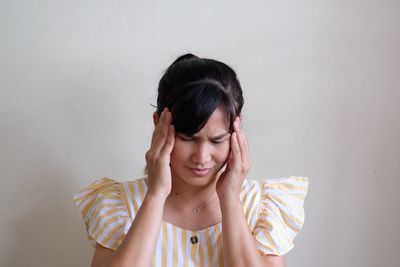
(201, 154)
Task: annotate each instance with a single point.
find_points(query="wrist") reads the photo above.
(156, 197)
(227, 201)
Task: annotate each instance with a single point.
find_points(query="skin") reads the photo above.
(182, 152)
(209, 148)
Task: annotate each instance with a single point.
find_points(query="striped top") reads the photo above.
(273, 209)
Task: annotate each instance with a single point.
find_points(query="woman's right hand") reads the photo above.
(159, 155)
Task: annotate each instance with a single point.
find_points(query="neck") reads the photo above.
(190, 195)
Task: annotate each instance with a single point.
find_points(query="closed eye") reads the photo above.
(218, 141)
(185, 138)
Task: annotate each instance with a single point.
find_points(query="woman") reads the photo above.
(195, 206)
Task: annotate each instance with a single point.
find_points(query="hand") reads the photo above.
(159, 155)
(229, 184)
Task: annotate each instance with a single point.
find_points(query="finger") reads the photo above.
(244, 147)
(161, 133)
(229, 160)
(164, 128)
(235, 150)
(158, 125)
(169, 144)
(240, 139)
(162, 137)
(244, 139)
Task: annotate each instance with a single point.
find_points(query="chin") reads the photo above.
(197, 180)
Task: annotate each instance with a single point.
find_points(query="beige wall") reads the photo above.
(322, 88)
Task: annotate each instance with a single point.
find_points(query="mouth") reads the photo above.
(200, 172)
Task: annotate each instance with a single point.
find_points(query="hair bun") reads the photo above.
(185, 57)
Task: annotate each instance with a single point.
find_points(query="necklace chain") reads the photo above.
(197, 210)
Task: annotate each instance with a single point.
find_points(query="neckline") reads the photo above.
(180, 228)
(193, 231)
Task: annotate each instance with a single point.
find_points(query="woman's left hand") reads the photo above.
(229, 184)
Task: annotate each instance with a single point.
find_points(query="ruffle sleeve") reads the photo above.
(281, 214)
(105, 215)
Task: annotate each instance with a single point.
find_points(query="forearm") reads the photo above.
(238, 243)
(139, 244)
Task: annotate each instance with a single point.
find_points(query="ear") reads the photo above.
(156, 117)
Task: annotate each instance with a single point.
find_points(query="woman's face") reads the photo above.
(197, 159)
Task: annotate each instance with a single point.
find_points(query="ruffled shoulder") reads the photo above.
(281, 213)
(103, 210)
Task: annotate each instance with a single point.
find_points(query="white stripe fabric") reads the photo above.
(273, 210)
(104, 213)
(281, 214)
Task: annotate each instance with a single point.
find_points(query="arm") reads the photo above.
(238, 243)
(138, 245)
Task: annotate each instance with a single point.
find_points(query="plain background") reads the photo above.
(321, 82)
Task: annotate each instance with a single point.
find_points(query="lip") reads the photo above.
(200, 171)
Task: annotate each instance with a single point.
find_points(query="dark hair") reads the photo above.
(192, 88)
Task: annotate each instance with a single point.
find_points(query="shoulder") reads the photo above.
(281, 213)
(103, 210)
(108, 208)
(250, 197)
(250, 190)
(133, 193)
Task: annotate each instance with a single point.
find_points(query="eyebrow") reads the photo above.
(214, 137)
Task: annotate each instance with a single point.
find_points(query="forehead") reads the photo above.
(217, 124)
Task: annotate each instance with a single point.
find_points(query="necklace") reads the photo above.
(197, 210)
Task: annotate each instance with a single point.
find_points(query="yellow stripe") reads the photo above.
(184, 246)
(210, 249)
(88, 206)
(101, 206)
(164, 245)
(93, 190)
(252, 208)
(201, 252)
(242, 191)
(124, 200)
(219, 247)
(106, 218)
(246, 202)
(90, 192)
(272, 243)
(285, 187)
(175, 248)
(141, 189)
(99, 231)
(111, 234)
(132, 197)
(95, 197)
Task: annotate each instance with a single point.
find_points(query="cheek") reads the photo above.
(223, 152)
(178, 153)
